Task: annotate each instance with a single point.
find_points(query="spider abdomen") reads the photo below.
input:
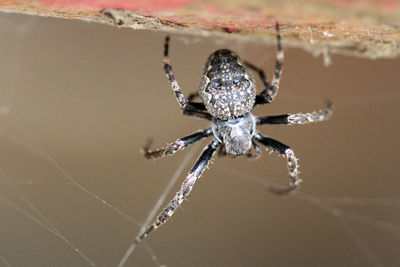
(227, 88)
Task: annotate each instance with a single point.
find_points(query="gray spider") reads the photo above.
(229, 95)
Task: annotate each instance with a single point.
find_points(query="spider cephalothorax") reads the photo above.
(235, 133)
(229, 95)
(227, 88)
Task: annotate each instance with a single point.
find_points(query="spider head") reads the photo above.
(227, 88)
(237, 141)
(236, 134)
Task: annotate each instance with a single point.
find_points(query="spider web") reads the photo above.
(74, 187)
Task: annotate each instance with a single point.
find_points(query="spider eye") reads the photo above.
(216, 83)
(236, 80)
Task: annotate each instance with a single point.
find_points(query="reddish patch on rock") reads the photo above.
(148, 6)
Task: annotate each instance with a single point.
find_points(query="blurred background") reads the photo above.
(79, 100)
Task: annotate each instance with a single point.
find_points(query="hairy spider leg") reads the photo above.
(170, 75)
(176, 146)
(268, 95)
(298, 118)
(288, 153)
(185, 189)
(188, 108)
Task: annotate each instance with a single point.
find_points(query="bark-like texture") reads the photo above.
(368, 28)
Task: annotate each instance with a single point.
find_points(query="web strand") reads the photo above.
(158, 204)
(342, 215)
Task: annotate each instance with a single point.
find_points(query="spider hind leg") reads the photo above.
(187, 106)
(270, 92)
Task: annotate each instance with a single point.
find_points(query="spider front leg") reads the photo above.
(288, 153)
(269, 94)
(185, 189)
(177, 145)
(298, 118)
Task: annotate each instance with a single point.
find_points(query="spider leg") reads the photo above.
(288, 153)
(177, 145)
(299, 118)
(185, 189)
(196, 110)
(183, 102)
(192, 96)
(268, 95)
(198, 114)
(260, 72)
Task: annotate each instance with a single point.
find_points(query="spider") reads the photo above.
(228, 92)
